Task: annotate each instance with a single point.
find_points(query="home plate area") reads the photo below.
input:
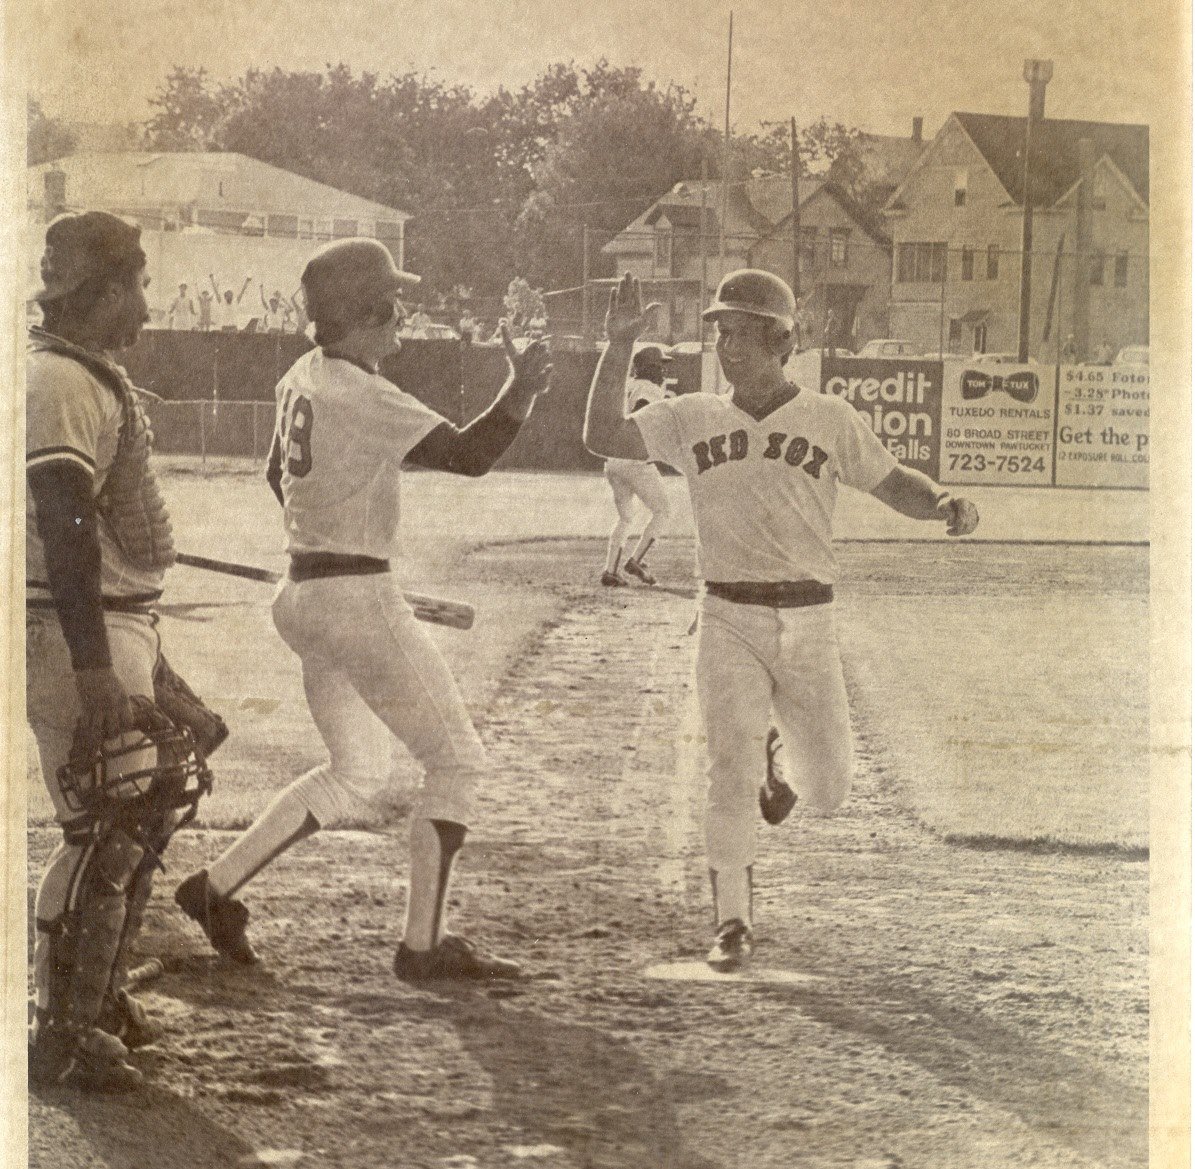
(696, 971)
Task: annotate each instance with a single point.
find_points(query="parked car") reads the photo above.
(1133, 355)
(888, 347)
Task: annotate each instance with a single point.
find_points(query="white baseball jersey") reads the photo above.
(343, 434)
(638, 390)
(763, 493)
(71, 416)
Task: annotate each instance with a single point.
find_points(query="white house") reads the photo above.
(204, 215)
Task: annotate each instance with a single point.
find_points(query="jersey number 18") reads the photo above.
(298, 419)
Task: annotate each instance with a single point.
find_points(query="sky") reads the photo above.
(874, 64)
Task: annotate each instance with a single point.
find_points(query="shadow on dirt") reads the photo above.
(576, 1087)
(118, 1130)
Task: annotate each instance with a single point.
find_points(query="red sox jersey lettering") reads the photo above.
(724, 448)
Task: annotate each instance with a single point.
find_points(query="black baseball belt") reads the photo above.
(317, 565)
(776, 594)
(136, 603)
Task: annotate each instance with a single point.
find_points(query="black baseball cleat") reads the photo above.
(635, 568)
(454, 958)
(732, 946)
(776, 798)
(612, 580)
(223, 919)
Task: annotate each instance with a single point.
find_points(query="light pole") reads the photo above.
(1038, 74)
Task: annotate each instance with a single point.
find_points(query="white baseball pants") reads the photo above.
(753, 661)
(371, 672)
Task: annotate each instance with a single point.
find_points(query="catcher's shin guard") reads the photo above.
(100, 913)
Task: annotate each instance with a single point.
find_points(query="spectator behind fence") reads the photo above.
(204, 324)
(419, 322)
(467, 327)
(275, 311)
(181, 314)
(228, 314)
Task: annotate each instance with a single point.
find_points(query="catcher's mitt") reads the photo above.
(174, 698)
(776, 798)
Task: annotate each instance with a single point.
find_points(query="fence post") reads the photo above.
(202, 435)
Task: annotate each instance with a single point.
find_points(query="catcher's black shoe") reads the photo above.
(612, 580)
(776, 798)
(732, 946)
(223, 919)
(454, 958)
(93, 1061)
(634, 568)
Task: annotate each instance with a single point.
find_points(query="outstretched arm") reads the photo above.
(609, 433)
(215, 286)
(472, 450)
(917, 496)
(248, 281)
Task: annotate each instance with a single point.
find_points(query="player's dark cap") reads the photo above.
(84, 245)
(754, 291)
(650, 357)
(351, 271)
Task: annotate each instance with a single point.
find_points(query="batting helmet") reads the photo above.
(350, 276)
(754, 291)
(649, 359)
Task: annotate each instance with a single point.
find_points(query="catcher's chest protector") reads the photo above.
(130, 502)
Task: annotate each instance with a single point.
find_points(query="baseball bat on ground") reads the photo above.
(437, 610)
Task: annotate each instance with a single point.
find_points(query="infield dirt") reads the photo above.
(964, 1006)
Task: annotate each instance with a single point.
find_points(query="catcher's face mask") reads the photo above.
(156, 766)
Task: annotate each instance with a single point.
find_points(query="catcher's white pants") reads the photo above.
(52, 709)
(371, 672)
(628, 478)
(753, 661)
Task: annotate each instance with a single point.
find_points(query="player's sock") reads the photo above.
(287, 819)
(732, 895)
(644, 545)
(613, 555)
(434, 848)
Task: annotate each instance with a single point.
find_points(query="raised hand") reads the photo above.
(530, 371)
(626, 317)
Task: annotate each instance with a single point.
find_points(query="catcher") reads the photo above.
(102, 702)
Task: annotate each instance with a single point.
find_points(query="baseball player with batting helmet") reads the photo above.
(629, 478)
(763, 467)
(97, 545)
(342, 435)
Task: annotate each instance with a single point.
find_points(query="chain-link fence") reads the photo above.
(212, 428)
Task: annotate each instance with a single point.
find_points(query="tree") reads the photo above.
(619, 145)
(522, 302)
(48, 138)
(191, 112)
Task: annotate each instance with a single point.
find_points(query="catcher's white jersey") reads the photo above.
(763, 492)
(71, 417)
(343, 434)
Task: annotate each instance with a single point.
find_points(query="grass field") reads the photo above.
(1005, 686)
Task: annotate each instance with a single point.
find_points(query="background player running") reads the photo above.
(763, 467)
(632, 477)
(343, 432)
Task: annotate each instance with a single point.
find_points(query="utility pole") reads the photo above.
(796, 173)
(705, 254)
(585, 282)
(1037, 74)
